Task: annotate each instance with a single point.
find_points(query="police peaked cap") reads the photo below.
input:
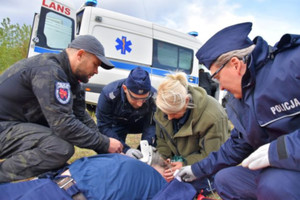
(231, 38)
(138, 81)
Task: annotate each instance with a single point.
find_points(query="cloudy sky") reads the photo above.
(271, 18)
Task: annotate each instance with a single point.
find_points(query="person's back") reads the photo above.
(205, 81)
(99, 177)
(115, 176)
(16, 89)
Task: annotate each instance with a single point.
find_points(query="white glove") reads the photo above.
(186, 174)
(134, 153)
(258, 159)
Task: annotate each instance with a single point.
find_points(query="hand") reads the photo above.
(258, 159)
(186, 174)
(115, 146)
(169, 172)
(134, 153)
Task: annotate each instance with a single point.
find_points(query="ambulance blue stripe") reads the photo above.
(154, 71)
(44, 50)
(125, 66)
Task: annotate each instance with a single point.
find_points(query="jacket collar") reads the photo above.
(63, 59)
(256, 60)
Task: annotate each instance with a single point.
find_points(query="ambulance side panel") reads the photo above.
(128, 43)
(126, 40)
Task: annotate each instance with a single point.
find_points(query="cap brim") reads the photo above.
(106, 64)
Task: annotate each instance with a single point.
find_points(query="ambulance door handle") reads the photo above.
(35, 39)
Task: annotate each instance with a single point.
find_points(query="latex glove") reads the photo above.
(134, 153)
(258, 159)
(186, 174)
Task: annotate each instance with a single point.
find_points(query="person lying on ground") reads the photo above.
(103, 176)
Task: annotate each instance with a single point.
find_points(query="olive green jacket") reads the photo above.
(205, 130)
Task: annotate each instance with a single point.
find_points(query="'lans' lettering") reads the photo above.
(285, 106)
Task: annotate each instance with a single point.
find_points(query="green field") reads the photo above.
(132, 140)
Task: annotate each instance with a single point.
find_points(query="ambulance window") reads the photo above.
(58, 30)
(78, 21)
(185, 59)
(172, 57)
(167, 55)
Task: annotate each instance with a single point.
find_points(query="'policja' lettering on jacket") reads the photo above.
(285, 106)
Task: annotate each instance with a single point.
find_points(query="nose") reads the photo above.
(96, 70)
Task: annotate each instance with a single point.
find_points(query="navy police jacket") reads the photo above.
(115, 114)
(42, 90)
(269, 111)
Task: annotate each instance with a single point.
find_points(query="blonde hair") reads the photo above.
(172, 93)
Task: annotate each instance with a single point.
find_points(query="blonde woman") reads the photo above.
(189, 123)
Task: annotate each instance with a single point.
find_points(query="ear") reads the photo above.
(238, 65)
(80, 54)
(124, 87)
(187, 99)
(168, 161)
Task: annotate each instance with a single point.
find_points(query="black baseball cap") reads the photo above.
(92, 45)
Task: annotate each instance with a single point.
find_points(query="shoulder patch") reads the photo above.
(111, 95)
(62, 92)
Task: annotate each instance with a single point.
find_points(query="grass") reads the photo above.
(132, 140)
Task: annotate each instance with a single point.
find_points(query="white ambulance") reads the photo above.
(128, 41)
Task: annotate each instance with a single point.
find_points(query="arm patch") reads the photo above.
(63, 92)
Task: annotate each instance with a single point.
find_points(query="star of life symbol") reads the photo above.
(123, 45)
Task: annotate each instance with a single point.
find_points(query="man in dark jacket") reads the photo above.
(264, 107)
(205, 81)
(42, 112)
(127, 106)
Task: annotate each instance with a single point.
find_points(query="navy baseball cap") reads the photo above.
(90, 44)
(138, 81)
(234, 37)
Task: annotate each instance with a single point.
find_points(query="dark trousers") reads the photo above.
(267, 184)
(29, 150)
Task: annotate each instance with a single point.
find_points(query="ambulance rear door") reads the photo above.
(53, 28)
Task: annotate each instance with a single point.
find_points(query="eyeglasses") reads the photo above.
(214, 74)
(139, 99)
(244, 59)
